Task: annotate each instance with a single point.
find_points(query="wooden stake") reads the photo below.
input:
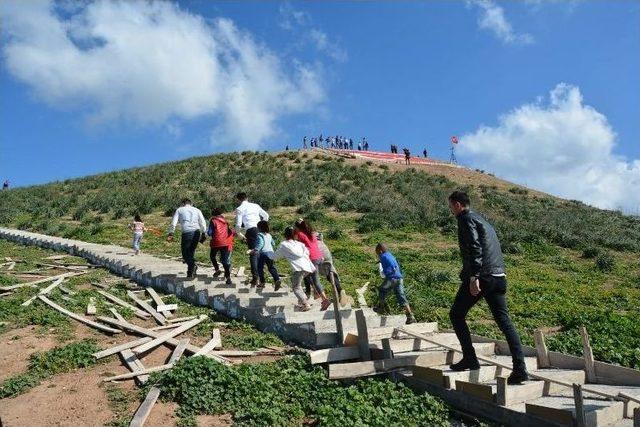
(363, 336)
(501, 391)
(336, 308)
(116, 314)
(119, 348)
(579, 404)
(141, 314)
(541, 349)
(589, 366)
(134, 364)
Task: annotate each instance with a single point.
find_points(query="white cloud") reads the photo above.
(492, 18)
(300, 24)
(563, 147)
(151, 63)
(323, 44)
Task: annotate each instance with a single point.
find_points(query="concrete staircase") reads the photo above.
(270, 311)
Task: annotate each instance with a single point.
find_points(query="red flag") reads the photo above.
(454, 139)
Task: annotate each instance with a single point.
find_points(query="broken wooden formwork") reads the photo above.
(562, 390)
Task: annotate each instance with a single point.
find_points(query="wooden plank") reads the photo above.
(134, 364)
(578, 401)
(154, 296)
(118, 348)
(336, 308)
(91, 307)
(167, 326)
(159, 317)
(116, 314)
(130, 375)
(78, 317)
(164, 337)
(216, 341)
(329, 355)
(589, 366)
(541, 349)
(636, 417)
(45, 280)
(166, 308)
(149, 333)
(44, 291)
(388, 354)
(363, 336)
(115, 299)
(182, 319)
(376, 367)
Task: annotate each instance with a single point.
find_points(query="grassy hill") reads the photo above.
(568, 264)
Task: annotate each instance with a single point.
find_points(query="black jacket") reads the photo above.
(479, 246)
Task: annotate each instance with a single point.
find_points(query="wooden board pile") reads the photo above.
(563, 389)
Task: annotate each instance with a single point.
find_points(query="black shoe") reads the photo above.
(465, 365)
(517, 377)
(217, 273)
(411, 319)
(254, 282)
(277, 285)
(229, 282)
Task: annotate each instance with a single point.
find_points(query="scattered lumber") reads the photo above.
(216, 341)
(360, 292)
(116, 314)
(161, 307)
(118, 348)
(143, 411)
(45, 280)
(100, 285)
(149, 333)
(78, 317)
(245, 353)
(165, 309)
(181, 319)
(91, 307)
(11, 266)
(140, 372)
(167, 326)
(157, 316)
(63, 266)
(134, 364)
(44, 291)
(56, 257)
(115, 299)
(164, 337)
(66, 290)
(329, 355)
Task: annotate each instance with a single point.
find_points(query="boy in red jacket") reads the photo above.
(221, 242)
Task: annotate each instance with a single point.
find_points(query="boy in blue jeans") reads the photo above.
(390, 271)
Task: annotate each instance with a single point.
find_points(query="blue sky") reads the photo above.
(81, 95)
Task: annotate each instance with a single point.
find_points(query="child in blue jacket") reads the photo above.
(390, 272)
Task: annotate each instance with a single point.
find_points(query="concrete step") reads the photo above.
(561, 410)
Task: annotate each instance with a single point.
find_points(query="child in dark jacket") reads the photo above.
(390, 272)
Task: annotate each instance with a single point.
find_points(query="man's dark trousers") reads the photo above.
(252, 237)
(188, 245)
(493, 290)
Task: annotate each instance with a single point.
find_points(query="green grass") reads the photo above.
(291, 392)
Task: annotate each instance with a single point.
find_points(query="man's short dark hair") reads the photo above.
(242, 196)
(186, 201)
(460, 197)
(381, 247)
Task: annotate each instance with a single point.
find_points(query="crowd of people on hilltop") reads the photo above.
(482, 275)
(337, 142)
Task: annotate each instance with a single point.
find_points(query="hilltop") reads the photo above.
(568, 263)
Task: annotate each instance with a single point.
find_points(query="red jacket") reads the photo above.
(221, 234)
(315, 253)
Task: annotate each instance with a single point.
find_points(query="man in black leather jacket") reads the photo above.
(483, 276)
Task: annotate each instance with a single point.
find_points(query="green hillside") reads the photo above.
(568, 264)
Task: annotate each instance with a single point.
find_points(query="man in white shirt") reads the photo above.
(247, 217)
(193, 227)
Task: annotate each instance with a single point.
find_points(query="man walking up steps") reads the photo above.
(193, 227)
(247, 217)
(483, 276)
